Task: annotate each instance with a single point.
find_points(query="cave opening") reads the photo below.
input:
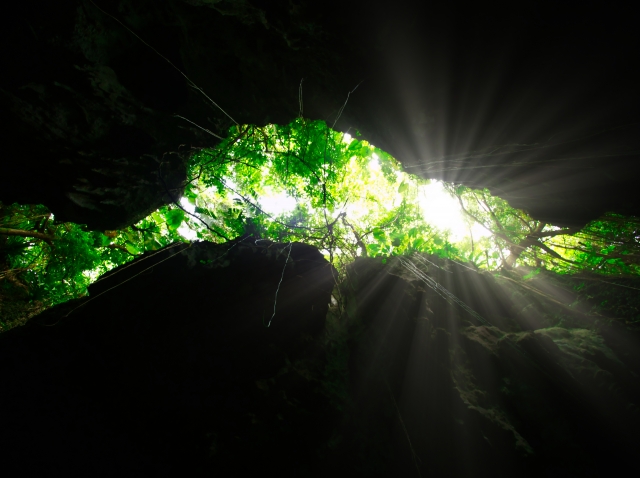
(398, 243)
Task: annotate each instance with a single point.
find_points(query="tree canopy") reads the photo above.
(345, 196)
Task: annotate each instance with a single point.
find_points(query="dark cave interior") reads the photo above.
(171, 373)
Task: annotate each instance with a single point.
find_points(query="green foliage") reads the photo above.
(174, 218)
(531, 274)
(351, 199)
(44, 262)
(608, 246)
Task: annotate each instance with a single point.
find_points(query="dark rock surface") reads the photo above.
(90, 109)
(98, 125)
(167, 369)
(504, 378)
(172, 372)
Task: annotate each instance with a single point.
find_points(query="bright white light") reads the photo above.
(444, 212)
(441, 210)
(479, 231)
(187, 206)
(233, 187)
(374, 163)
(184, 230)
(276, 203)
(93, 274)
(187, 233)
(346, 138)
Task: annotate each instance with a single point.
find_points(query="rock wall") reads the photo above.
(99, 119)
(487, 376)
(93, 89)
(167, 368)
(414, 367)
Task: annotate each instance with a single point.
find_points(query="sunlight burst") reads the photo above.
(276, 203)
(184, 230)
(444, 212)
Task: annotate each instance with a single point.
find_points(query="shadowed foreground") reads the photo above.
(172, 372)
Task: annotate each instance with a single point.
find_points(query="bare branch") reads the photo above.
(22, 233)
(553, 253)
(358, 237)
(561, 232)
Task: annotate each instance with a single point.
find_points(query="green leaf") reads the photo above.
(100, 240)
(131, 248)
(174, 218)
(207, 212)
(379, 234)
(190, 193)
(532, 274)
(157, 217)
(152, 244)
(417, 243)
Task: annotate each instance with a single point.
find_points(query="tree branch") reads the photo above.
(22, 233)
(183, 209)
(606, 256)
(553, 253)
(358, 238)
(561, 232)
(464, 209)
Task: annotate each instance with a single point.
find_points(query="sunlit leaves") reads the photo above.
(609, 245)
(53, 262)
(351, 199)
(49, 265)
(174, 218)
